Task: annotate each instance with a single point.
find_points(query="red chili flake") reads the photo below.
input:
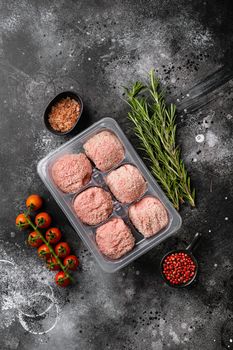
(179, 268)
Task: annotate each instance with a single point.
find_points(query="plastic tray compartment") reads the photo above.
(87, 233)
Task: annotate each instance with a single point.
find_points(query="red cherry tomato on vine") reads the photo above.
(21, 222)
(62, 249)
(44, 251)
(34, 202)
(53, 235)
(71, 262)
(43, 220)
(34, 239)
(52, 264)
(61, 279)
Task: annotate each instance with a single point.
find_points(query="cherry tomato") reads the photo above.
(71, 262)
(44, 251)
(61, 279)
(34, 202)
(52, 264)
(43, 220)
(21, 222)
(34, 239)
(53, 235)
(62, 249)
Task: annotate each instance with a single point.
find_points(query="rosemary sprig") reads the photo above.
(155, 125)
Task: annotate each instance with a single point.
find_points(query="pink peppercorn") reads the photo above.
(179, 268)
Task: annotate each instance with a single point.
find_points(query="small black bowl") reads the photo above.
(184, 284)
(56, 99)
(187, 251)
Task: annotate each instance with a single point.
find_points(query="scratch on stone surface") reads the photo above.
(12, 70)
(211, 185)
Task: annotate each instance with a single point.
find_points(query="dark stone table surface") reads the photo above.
(96, 47)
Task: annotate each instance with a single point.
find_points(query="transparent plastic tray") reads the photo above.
(87, 233)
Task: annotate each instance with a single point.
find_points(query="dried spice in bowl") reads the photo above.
(179, 268)
(64, 114)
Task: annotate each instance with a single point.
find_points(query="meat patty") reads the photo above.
(126, 183)
(149, 216)
(93, 205)
(105, 150)
(114, 238)
(71, 172)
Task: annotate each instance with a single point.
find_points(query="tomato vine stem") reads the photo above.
(35, 228)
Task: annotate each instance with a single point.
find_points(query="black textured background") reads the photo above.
(95, 48)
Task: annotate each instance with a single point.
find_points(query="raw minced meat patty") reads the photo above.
(126, 183)
(114, 238)
(93, 205)
(105, 150)
(71, 172)
(149, 216)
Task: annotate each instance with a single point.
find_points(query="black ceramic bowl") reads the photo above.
(184, 284)
(56, 99)
(187, 251)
